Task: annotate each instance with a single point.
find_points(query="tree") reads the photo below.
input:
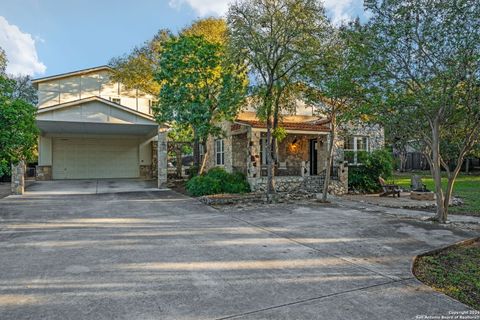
(137, 69)
(200, 87)
(23, 89)
(181, 137)
(275, 39)
(334, 80)
(18, 132)
(429, 81)
(214, 30)
(3, 61)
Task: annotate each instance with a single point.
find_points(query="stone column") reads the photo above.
(18, 178)
(253, 158)
(162, 160)
(343, 175)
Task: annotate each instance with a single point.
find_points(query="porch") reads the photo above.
(301, 157)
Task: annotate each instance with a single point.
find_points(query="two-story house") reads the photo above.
(93, 127)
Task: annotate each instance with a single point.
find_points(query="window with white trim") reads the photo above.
(219, 152)
(151, 105)
(353, 146)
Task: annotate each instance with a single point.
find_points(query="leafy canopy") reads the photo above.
(18, 132)
(199, 86)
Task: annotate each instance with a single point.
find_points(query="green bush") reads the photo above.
(364, 177)
(217, 180)
(203, 185)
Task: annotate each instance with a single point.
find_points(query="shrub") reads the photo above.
(373, 165)
(236, 183)
(203, 185)
(217, 180)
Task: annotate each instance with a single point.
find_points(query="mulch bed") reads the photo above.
(454, 271)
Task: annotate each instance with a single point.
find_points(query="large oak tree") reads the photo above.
(275, 39)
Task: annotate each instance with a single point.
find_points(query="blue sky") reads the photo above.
(45, 37)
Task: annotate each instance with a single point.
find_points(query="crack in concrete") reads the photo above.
(311, 299)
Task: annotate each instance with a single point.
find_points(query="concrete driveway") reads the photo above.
(161, 255)
(89, 186)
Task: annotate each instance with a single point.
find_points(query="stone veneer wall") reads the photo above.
(375, 134)
(154, 168)
(146, 172)
(307, 184)
(18, 178)
(294, 155)
(239, 152)
(162, 158)
(43, 173)
(292, 184)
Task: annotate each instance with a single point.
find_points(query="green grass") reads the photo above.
(467, 187)
(454, 271)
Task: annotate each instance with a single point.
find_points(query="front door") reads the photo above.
(313, 157)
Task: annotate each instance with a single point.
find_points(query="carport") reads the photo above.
(94, 138)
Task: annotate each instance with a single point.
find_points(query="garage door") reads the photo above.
(75, 158)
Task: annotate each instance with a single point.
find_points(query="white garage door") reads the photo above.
(75, 158)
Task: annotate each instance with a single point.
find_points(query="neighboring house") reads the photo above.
(302, 155)
(92, 127)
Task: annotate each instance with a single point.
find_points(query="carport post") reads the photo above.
(18, 178)
(162, 157)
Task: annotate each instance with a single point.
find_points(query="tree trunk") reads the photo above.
(331, 148)
(178, 154)
(270, 163)
(196, 150)
(205, 156)
(403, 160)
(436, 169)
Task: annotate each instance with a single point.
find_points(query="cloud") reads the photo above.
(343, 10)
(20, 49)
(203, 7)
(337, 10)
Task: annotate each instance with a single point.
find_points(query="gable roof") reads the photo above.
(99, 99)
(69, 74)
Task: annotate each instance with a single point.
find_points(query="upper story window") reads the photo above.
(354, 146)
(151, 105)
(219, 152)
(115, 100)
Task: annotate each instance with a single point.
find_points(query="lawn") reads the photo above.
(467, 187)
(454, 271)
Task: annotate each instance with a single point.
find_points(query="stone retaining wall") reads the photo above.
(307, 184)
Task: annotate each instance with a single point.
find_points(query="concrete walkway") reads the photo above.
(401, 212)
(161, 255)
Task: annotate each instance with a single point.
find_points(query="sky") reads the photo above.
(47, 37)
